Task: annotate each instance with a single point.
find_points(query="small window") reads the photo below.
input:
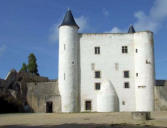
(124, 49)
(97, 50)
(126, 84)
(126, 74)
(97, 86)
(136, 50)
(72, 62)
(123, 102)
(97, 74)
(137, 74)
(88, 105)
(148, 62)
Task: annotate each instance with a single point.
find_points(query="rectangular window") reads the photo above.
(124, 49)
(123, 102)
(97, 74)
(137, 74)
(97, 50)
(136, 50)
(126, 74)
(126, 84)
(97, 86)
(88, 105)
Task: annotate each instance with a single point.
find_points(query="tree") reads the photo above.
(24, 68)
(32, 65)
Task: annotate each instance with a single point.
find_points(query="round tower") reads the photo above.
(107, 100)
(144, 70)
(68, 76)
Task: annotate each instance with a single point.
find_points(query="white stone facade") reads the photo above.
(78, 64)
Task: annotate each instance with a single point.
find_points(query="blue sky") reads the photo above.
(31, 26)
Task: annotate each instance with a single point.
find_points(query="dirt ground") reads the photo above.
(80, 120)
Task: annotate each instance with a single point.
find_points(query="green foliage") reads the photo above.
(32, 65)
(24, 68)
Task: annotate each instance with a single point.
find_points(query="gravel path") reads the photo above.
(80, 120)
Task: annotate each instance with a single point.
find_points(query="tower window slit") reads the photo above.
(64, 46)
(64, 76)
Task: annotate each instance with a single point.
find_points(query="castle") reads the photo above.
(105, 72)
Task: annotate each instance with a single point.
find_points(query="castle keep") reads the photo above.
(105, 72)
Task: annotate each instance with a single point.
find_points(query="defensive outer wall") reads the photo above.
(41, 92)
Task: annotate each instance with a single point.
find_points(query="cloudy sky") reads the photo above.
(31, 26)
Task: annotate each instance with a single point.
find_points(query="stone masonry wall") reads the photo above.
(160, 95)
(41, 92)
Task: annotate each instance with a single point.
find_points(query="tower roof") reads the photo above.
(131, 29)
(69, 19)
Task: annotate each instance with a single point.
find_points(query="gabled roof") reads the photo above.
(131, 29)
(69, 19)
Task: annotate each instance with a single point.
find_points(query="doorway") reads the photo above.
(49, 106)
(88, 105)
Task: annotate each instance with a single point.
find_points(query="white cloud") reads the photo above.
(105, 12)
(54, 33)
(114, 30)
(2, 49)
(153, 21)
(82, 23)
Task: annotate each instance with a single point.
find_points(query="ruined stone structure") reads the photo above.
(160, 95)
(13, 91)
(44, 96)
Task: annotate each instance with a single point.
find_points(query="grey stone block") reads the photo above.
(141, 115)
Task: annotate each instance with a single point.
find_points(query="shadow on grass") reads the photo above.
(81, 126)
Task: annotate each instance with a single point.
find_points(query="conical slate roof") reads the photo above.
(69, 19)
(131, 29)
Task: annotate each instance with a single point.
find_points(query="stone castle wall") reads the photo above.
(41, 92)
(160, 95)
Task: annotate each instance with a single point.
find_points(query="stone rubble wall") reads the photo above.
(160, 95)
(39, 93)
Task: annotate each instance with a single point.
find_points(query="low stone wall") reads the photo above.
(160, 95)
(40, 93)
